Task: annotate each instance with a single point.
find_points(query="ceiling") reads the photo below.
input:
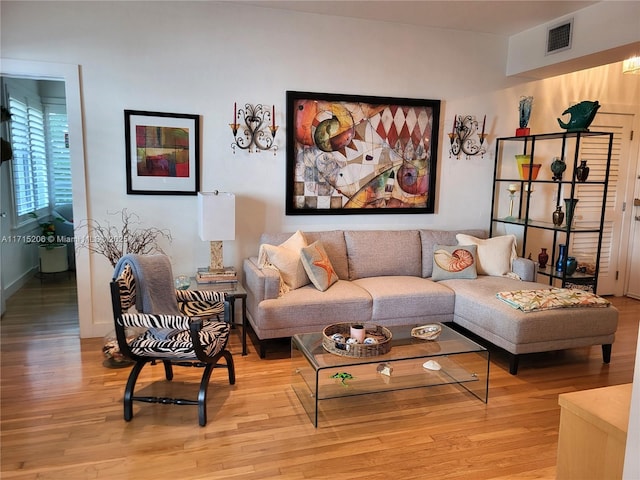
(503, 18)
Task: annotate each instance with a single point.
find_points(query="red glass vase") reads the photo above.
(543, 258)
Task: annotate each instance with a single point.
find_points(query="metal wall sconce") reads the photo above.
(254, 128)
(463, 137)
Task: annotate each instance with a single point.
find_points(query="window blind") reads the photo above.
(29, 164)
(60, 161)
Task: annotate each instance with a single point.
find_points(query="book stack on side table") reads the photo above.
(224, 277)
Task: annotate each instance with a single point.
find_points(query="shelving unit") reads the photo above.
(548, 193)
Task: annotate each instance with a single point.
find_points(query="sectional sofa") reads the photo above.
(389, 277)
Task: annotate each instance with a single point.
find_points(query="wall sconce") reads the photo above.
(254, 128)
(463, 137)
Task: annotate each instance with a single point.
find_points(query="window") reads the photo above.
(58, 153)
(29, 164)
(41, 167)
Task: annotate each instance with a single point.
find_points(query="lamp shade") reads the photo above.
(216, 216)
(631, 65)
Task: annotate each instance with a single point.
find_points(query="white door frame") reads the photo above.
(627, 224)
(70, 74)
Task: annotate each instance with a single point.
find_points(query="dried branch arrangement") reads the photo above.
(113, 242)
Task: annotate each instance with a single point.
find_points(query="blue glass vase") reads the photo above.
(562, 258)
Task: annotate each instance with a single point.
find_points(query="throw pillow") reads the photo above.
(495, 255)
(457, 261)
(286, 259)
(318, 266)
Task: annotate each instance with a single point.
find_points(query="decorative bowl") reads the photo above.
(430, 331)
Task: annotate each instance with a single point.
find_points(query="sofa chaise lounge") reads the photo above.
(387, 277)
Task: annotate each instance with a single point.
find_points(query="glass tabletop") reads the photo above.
(403, 346)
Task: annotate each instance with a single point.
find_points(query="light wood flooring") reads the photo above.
(61, 412)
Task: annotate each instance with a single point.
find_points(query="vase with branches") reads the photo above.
(113, 241)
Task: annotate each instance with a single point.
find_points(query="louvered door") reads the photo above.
(595, 150)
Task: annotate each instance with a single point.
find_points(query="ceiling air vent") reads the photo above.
(559, 37)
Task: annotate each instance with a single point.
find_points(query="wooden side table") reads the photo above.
(593, 433)
(234, 291)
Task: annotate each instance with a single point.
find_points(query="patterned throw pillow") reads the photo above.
(286, 259)
(318, 267)
(457, 261)
(495, 254)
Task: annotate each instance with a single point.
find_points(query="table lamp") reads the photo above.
(217, 222)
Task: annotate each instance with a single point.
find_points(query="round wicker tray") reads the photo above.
(381, 334)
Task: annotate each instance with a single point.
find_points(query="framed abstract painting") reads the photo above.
(162, 152)
(349, 154)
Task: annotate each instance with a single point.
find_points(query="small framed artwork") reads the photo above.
(163, 153)
(349, 154)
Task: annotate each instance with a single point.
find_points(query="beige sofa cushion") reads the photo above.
(380, 253)
(402, 297)
(309, 310)
(286, 259)
(332, 241)
(495, 254)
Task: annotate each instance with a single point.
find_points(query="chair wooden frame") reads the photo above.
(122, 320)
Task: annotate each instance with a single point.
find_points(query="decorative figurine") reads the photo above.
(343, 377)
(525, 113)
(582, 114)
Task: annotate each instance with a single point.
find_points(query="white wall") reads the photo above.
(611, 26)
(200, 57)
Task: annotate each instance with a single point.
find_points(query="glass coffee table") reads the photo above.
(452, 359)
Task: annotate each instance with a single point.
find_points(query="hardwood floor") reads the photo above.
(61, 415)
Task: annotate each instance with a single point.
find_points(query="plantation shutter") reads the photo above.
(584, 246)
(60, 161)
(29, 164)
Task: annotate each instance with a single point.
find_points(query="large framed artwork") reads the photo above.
(350, 154)
(163, 153)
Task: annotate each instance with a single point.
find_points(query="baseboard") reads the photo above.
(18, 283)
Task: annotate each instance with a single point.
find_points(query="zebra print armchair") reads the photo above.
(181, 340)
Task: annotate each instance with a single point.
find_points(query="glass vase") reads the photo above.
(582, 172)
(562, 258)
(570, 206)
(543, 258)
(558, 216)
(572, 265)
(558, 166)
